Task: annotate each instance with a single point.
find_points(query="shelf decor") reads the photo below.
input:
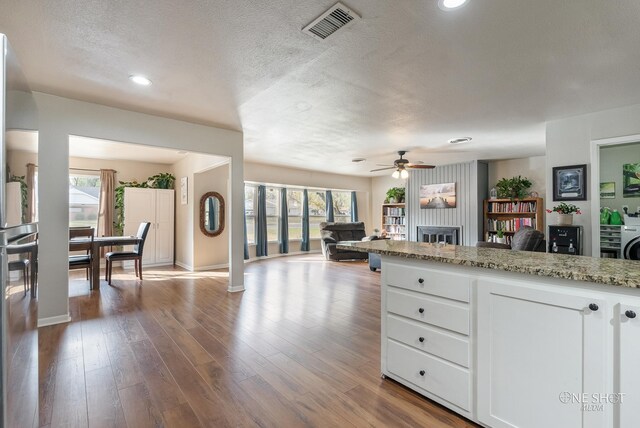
(507, 216)
(565, 213)
(569, 183)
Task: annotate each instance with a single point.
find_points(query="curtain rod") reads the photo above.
(83, 169)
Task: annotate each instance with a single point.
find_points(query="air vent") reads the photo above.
(339, 16)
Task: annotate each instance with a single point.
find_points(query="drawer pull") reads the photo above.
(421, 280)
(630, 314)
(593, 307)
(421, 310)
(421, 339)
(422, 372)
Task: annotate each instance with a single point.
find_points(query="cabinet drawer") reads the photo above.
(442, 284)
(445, 380)
(452, 316)
(434, 342)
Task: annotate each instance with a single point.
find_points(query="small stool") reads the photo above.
(22, 265)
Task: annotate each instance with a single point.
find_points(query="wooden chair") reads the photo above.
(82, 261)
(135, 255)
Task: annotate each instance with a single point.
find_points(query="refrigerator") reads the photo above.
(18, 312)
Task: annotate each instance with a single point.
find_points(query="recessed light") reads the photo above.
(460, 140)
(450, 4)
(140, 80)
(357, 160)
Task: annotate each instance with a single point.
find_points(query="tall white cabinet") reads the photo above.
(155, 206)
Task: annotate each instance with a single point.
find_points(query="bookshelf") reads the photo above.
(511, 215)
(394, 221)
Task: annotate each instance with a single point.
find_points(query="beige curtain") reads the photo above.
(107, 202)
(31, 193)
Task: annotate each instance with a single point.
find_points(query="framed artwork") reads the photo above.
(434, 196)
(631, 180)
(570, 183)
(184, 190)
(608, 190)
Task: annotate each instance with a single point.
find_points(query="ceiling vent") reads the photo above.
(339, 16)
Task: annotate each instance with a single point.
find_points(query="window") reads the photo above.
(273, 213)
(294, 205)
(250, 212)
(84, 200)
(341, 206)
(317, 212)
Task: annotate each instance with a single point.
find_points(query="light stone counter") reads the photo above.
(624, 273)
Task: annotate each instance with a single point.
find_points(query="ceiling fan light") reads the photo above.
(396, 173)
(404, 174)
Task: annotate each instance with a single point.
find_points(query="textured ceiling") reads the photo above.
(407, 76)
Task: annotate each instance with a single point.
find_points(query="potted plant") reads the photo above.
(395, 195)
(565, 213)
(500, 238)
(513, 188)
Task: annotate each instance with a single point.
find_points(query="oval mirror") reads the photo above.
(212, 214)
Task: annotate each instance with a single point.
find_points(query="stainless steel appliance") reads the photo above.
(19, 362)
(630, 237)
(565, 240)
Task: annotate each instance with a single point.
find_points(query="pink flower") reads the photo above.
(549, 211)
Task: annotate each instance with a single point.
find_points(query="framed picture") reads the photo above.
(631, 180)
(570, 183)
(184, 190)
(433, 196)
(608, 190)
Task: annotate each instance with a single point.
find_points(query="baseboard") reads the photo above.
(212, 267)
(59, 319)
(184, 266)
(274, 256)
(235, 288)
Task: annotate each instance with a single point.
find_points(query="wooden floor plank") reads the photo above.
(299, 347)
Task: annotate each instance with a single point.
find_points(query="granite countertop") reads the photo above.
(624, 273)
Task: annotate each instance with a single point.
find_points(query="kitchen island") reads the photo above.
(512, 339)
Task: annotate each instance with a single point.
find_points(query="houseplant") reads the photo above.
(513, 188)
(565, 213)
(395, 195)
(500, 236)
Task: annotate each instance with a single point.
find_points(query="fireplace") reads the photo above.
(448, 234)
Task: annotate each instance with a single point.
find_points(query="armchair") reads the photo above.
(525, 239)
(332, 233)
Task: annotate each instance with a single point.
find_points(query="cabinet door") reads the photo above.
(164, 226)
(628, 355)
(538, 351)
(140, 207)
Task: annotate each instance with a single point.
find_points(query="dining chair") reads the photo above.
(135, 255)
(81, 261)
(21, 265)
(29, 265)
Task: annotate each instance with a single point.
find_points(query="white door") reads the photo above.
(140, 207)
(627, 315)
(164, 226)
(538, 351)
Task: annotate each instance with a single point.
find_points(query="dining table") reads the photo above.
(101, 242)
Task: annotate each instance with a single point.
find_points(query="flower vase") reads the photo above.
(565, 219)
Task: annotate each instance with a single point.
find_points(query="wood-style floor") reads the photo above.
(300, 347)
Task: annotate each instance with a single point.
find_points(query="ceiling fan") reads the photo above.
(401, 165)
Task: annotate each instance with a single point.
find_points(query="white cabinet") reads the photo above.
(427, 331)
(539, 349)
(627, 376)
(155, 206)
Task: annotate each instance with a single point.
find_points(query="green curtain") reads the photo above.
(262, 241)
(304, 246)
(354, 207)
(283, 224)
(329, 206)
(246, 239)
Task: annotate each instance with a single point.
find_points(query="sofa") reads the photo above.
(332, 233)
(525, 239)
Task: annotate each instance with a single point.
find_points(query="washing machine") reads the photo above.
(630, 237)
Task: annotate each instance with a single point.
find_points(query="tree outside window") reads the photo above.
(84, 200)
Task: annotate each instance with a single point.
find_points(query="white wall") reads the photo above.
(61, 117)
(532, 168)
(612, 158)
(210, 252)
(569, 143)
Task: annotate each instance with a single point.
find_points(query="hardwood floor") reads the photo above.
(300, 347)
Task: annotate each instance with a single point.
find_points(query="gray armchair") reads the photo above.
(525, 239)
(332, 233)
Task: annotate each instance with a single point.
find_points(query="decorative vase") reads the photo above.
(565, 219)
(502, 240)
(392, 200)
